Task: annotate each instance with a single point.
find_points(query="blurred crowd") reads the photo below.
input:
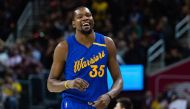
(10, 11)
(166, 100)
(134, 25)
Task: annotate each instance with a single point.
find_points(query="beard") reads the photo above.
(86, 31)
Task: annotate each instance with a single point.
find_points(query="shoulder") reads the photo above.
(110, 46)
(109, 42)
(62, 45)
(61, 49)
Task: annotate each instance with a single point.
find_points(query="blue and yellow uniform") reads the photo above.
(89, 64)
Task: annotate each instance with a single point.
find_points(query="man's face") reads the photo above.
(83, 20)
(118, 106)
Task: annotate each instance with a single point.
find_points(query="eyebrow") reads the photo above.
(87, 13)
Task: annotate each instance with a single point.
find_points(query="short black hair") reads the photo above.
(125, 102)
(77, 8)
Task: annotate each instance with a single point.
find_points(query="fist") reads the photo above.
(78, 83)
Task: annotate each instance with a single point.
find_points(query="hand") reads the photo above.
(78, 83)
(102, 102)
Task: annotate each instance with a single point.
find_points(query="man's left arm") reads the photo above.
(113, 67)
(104, 100)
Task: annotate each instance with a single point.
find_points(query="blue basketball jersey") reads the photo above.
(89, 64)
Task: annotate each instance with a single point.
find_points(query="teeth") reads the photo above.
(86, 24)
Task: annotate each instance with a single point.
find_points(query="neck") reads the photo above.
(79, 33)
(86, 39)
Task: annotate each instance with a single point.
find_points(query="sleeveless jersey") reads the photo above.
(89, 64)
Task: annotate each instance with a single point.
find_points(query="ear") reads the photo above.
(73, 24)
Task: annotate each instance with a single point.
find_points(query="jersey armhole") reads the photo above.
(104, 40)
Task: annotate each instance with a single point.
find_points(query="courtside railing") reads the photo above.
(24, 18)
(21, 23)
(154, 52)
(183, 27)
(158, 49)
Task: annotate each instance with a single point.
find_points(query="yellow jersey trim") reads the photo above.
(103, 45)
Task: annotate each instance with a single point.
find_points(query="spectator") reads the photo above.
(178, 103)
(3, 53)
(148, 99)
(124, 103)
(11, 91)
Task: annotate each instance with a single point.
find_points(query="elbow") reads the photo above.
(49, 86)
(121, 84)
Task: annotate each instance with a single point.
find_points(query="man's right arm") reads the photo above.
(54, 84)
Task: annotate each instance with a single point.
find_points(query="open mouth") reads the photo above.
(86, 24)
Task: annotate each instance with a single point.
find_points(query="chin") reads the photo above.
(86, 32)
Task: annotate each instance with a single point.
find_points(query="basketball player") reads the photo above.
(83, 59)
(123, 103)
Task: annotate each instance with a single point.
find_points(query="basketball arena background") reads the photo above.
(152, 39)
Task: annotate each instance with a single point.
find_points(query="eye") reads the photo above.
(79, 17)
(88, 15)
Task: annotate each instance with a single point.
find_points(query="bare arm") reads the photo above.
(114, 69)
(54, 84)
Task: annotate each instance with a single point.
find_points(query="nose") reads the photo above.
(85, 18)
